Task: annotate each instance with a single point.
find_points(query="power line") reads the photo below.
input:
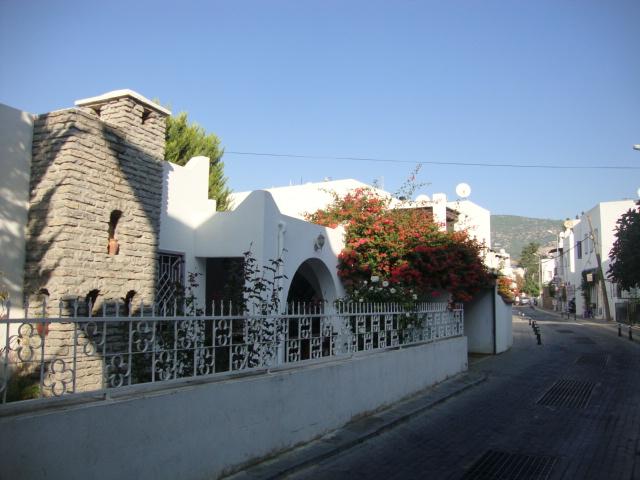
(427, 162)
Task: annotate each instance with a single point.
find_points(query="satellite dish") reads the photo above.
(422, 198)
(638, 192)
(463, 190)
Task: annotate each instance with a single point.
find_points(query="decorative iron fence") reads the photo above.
(44, 356)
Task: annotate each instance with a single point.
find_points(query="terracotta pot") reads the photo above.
(42, 329)
(113, 248)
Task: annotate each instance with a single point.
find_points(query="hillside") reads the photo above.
(512, 232)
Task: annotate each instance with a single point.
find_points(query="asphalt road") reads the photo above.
(566, 409)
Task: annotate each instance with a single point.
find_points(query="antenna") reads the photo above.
(463, 190)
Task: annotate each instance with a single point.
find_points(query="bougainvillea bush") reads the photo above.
(400, 254)
(505, 289)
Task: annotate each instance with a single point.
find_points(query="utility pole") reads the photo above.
(607, 312)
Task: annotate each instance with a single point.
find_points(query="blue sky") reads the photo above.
(503, 82)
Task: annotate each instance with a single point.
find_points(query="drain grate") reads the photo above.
(496, 465)
(568, 393)
(584, 340)
(564, 330)
(593, 360)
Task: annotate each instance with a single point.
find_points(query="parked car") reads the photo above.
(525, 301)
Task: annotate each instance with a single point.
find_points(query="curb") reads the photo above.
(612, 324)
(359, 431)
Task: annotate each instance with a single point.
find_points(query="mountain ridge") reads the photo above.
(512, 232)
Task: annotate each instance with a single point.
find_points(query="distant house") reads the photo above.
(577, 272)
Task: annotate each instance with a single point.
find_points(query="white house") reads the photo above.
(473, 218)
(299, 200)
(191, 231)
(91, 211)
(111, 169)
(271, 223)
(592, 234)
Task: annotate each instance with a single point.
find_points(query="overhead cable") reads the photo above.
(432, 162)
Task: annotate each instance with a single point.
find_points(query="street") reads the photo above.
(566, 409)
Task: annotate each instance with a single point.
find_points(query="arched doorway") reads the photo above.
(312, 284)
(309, 336)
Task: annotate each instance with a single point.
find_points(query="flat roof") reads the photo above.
(115, 94)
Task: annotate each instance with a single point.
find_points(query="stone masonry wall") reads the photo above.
(86, 164)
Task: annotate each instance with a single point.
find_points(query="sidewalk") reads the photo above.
(361, 430)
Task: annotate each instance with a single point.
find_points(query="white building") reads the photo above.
(547, 268)
(576, 263)
(475, 219)
(208, 242)
(193, 238)
(299, 200)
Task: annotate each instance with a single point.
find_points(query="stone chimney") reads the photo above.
(96, 197)
(141, 120)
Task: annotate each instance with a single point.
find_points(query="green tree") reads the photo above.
(529, 260)
(624, 268)
(185, 140)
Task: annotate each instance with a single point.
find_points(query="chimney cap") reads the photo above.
(115, 94)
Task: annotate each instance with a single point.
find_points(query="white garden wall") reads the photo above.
(201, 431)
(504, 325)
(488, 323)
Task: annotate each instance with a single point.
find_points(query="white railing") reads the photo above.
(45, 356)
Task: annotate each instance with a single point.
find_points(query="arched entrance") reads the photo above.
(310, 290)
(312, 283)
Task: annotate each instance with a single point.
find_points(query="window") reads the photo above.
(113, 248)
(579, 249)
(586, 243)
(170, 278)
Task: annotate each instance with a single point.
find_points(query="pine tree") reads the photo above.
(529, 260)
(186, 140)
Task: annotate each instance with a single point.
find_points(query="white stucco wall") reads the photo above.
(203, 430)
(257, 224)
(504, 324)
(483, 335)
(16, 133)
(548, 266)
(296, 200)
(478, 323)
(185, 206)
(473, 218)
(191, 226)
